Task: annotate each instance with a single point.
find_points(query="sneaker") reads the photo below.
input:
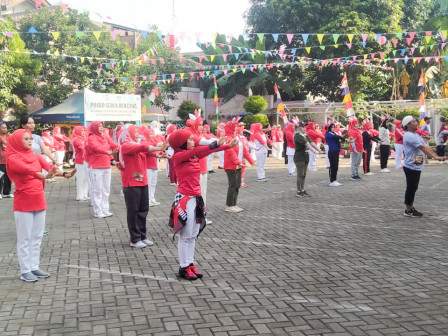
(369, 174)
(238, 208)
(147, 242)
(211, 171)
(299, 194)
(219, 167)
(339, 184)
(385, 170)
(0, 196)
(304, 193)
(244, 185)
(232, 209)
(195, 271)
(187, 273)
(173, 184)
(108, 214)
(8, 196)
(208, 221)
(334, 184)
(45, 232)
(292, 175)
(354, 178)
(99, 215)
(28, 277)
(40, 274)
(154, 203)
(262, 180)
(413, 213)
(138, 244)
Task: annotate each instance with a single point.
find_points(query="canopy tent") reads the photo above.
(69, 111)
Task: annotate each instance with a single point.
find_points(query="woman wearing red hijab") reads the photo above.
(135, 183)
(398, 144)
(169, 155)
(25, 170)
(79, 148)
(101, 150)
(261, 143)
(188, 209)
(60, 140)
(151, 164)
(233, 164)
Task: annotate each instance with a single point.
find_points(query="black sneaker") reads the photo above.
(354, 178)
(413, 213)
(299, 194)
(304, 193)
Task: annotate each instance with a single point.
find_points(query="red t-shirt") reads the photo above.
(98, 151)
(186, 165)
(134, 172)
(29, 194)
(357, 134)
(79, 146)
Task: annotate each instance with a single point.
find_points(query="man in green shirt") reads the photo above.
(303, 145)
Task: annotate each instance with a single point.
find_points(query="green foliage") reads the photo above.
(186, 108)
(401, 115)
(255, 104)
(255, 118)
(60, 76)
(167, 91)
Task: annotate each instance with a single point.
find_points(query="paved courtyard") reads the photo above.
(343, 262)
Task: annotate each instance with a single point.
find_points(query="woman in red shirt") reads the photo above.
(101, 156)
(188, 209)
(135, 183)
(79, 147)
(25, 170)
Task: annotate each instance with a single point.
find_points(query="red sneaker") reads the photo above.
(244, 185)
(187, 273)
(195, 271)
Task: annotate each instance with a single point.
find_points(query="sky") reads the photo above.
(191, 16)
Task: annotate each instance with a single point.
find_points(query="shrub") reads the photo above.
(255, 104)
(187, 107)
(255, 118)
(401, 115)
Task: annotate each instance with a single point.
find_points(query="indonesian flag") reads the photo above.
(279, 102)
(347, 97)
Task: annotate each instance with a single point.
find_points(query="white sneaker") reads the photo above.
(0, 196)
(238, 208)
(108, 214)
(369, 174)
(385, 170)
(208, 221)
(99, 215)
(138, 244)
(232, 209)
(334, 184)
(147, 242)
(151, 204)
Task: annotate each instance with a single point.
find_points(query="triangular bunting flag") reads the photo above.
(350, 37)
(56, 35)
(32, 30)
(275, 37)
(113, 34)
(305, 38)
(336, 38)
(97, 35)
(320, 38)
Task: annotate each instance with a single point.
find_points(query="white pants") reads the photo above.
(312, 164)
(221, 159)
(210, 161)
(398, 155)
(100, 189)
(327, 161)
(277, 149)
(203, 184)
(82, 184)
(59, 157)
(372, 156)
(261, 162)
(152, 183)
(30, 230)
(291, 165)
(187, 236)
(167, 168)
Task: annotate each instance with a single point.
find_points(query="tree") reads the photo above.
(187, 107)
(255, 104)
(60, 76)
(16, 71)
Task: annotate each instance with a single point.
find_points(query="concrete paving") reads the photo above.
(342, 262)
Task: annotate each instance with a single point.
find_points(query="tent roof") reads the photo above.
(71, 110)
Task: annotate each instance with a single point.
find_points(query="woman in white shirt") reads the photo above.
(384, 143)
